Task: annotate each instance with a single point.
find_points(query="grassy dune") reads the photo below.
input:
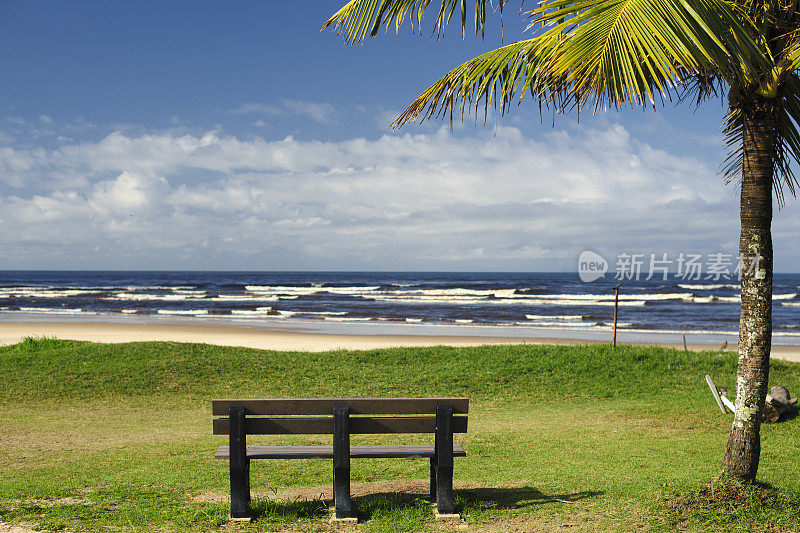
(98, 437)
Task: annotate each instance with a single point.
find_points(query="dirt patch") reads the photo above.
(722, 497)
(522, 524)
(325, 492)
(52, 503)
(10, 528)
(720, 500)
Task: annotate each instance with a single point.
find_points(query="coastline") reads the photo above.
(296, 337)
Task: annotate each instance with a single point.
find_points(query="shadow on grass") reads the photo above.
(518, 497)
(413, 507)
(282, 511)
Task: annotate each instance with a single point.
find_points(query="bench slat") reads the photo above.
(320, 426)
(324, 406)
(326, 452)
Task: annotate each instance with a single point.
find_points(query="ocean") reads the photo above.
(546, 301)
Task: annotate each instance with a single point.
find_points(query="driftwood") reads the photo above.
(715, 392)
(770, 414)
(778, 404)
(723, 393)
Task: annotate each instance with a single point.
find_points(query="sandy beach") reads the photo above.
(288, 339)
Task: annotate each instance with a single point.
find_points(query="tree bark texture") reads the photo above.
(755, 324)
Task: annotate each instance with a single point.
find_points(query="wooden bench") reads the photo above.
(340, 417)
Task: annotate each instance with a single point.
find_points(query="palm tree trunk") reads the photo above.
(755, 325)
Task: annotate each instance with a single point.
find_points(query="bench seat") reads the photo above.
(326, 452)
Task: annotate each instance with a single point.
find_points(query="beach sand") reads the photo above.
(286, 339)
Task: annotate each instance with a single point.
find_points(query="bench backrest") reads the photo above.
(284, 416)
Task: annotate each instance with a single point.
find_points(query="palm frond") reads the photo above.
(608, 52)
(494, 78)
(787, 141)
(790, 56)
(700, 87)
(622, 49)
(733, 131)
(788, 151)
(361, 18)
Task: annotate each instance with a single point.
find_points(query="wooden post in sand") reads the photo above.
(616, 304)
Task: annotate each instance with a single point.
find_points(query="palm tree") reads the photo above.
(620, 53)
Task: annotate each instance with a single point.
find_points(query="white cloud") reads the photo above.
(321, 112)
(499, 201)
(257, 108)
(126, 194)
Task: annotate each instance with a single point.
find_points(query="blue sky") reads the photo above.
(203, 135)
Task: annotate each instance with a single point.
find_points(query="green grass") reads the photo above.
(98, 437)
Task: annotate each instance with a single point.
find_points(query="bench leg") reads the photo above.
(239, 465)
(433, 479)
(342, 502)
(444, 460)
(445, 504)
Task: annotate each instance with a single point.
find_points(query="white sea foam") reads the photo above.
(129, 296)
(347, 318)
(504, 301)
(62, 292)
(373, 290)
(463, 296)
(262, 312)
(789, 296)
(241, 298)
(300, 291)
(331, 313)
(709, 286)
(152, 287)
(791, 304)
(190, 292)
(36, 292)
(130, 311)
(182, 311)
(496, 293)
(55, 311)
(464, 320)
(554, 317)
(566, 321)
(413, 320)
(558, 325)
(622, 297)
(251, 312)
